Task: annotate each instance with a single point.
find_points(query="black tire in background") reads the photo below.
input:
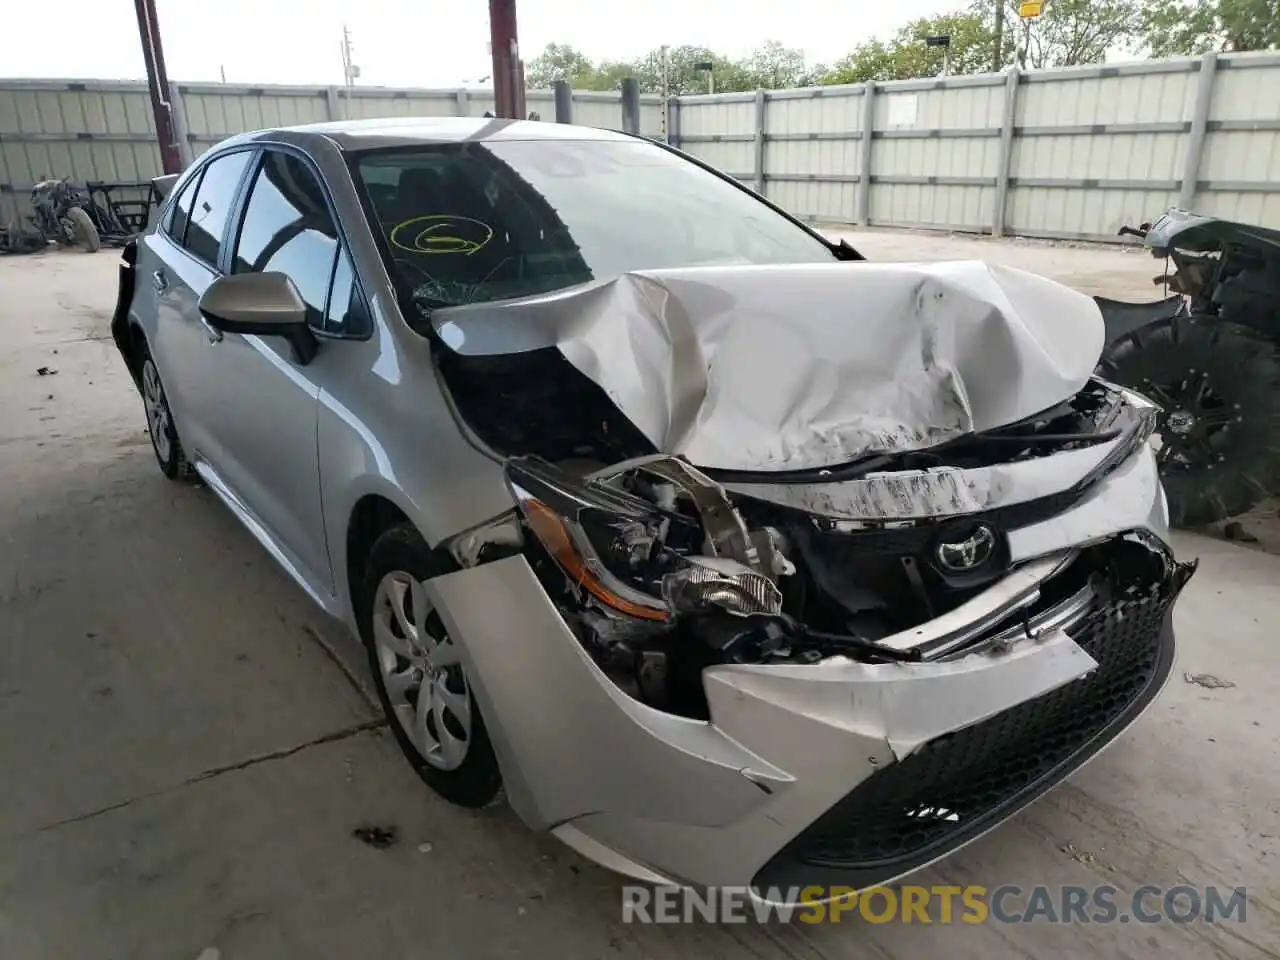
(477, 782)
(84, 230)
(1219, 385)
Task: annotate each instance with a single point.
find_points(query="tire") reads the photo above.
(472, 779)
(1219, 385)
(83, 229)
(160, 426)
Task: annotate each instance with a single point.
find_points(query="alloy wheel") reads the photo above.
(421, 671)
(158, 424)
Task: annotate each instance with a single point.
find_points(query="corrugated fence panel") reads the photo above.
(830, 113)
(818, 201)
(1086, 145)
(652, 116)
(904, 105)
(935, 154)
(707, 116)
(214, 113)
(478, 101)
(93, 130)
(598, 113)
(1242, 146)
(737, 159)
(813, 133)
(809, 157)
(401, 103)
(729, 116)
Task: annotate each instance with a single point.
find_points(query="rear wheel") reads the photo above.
(419, 674)
(164, 434)
(83, 230)
(1219, 434)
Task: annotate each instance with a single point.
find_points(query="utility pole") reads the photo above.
(997, 29)
(158, 85)
(1028, 10)
(508, 71)
(666, 88)
(349, 70)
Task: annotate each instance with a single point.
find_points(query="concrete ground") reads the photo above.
(186, 744)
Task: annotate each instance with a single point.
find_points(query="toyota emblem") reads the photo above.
(967, 553)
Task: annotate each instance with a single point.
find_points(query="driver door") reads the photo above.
(263, 438)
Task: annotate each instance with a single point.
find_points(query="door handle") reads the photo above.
(214, 334)
(160, 281)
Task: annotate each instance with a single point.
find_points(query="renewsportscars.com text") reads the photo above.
(941, 904)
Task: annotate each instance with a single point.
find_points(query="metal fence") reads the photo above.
(104, 130)
(1070, 153)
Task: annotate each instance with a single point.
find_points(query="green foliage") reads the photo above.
(1189, 27)
(907, 56)
(772, 66)
(1072, 32)
(559, 61)
(1068, 33)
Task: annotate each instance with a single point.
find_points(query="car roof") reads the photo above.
(406, 131)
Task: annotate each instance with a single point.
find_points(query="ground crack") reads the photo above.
(342, 734)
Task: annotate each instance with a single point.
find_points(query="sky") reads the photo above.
(431, 43)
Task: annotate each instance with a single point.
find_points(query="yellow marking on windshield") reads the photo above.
(438, 233)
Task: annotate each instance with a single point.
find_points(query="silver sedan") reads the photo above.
(734, 558)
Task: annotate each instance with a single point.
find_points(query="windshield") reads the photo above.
(470, 222)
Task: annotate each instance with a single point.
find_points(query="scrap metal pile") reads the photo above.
(88, 216)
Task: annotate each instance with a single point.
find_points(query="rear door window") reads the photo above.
(214, 198)
(287, 227)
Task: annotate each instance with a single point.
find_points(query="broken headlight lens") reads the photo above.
(609, 543)
(628, 553)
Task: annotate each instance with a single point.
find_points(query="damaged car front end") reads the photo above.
(790, 600)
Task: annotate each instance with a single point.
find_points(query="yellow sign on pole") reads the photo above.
(1030, 9)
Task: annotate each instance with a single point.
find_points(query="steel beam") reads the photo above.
(158, 85)
(508, 71)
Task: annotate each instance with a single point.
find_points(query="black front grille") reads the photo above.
(954, 787)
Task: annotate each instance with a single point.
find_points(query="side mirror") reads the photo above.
(260, 304)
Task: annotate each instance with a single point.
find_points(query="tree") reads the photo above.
(1190, 27)
(1069, 32)
(559, 61)
(907, 55)
(682, 74)
(772, 66)
(775, 67)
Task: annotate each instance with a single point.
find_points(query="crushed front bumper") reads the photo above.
(959, 785)
(839, 773)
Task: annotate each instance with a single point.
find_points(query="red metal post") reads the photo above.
(508, 71)
(158, 84)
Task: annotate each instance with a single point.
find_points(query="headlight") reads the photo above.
(609, 543)
(630, 555)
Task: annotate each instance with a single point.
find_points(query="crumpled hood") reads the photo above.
(809, 365)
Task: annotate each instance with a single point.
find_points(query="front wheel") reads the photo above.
(419, 674)
(1219, 434)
